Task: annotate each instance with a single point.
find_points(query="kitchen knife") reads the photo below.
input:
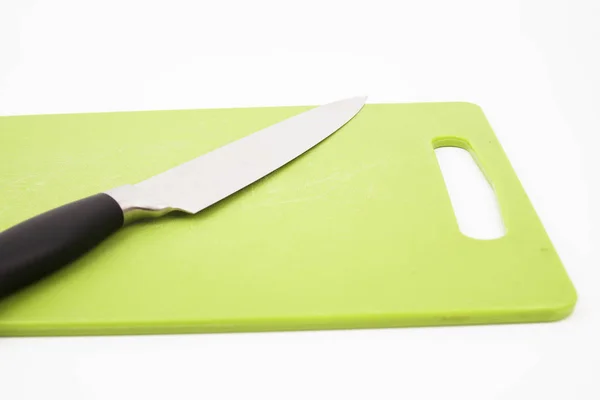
(43, 244)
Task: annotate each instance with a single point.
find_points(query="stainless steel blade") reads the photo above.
(205, 180)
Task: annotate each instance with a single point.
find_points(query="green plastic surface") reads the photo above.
(359, 232)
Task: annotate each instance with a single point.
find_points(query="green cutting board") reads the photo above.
(357, 233)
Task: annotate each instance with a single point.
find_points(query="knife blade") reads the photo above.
(45, 243)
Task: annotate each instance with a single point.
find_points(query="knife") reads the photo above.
(43, 244)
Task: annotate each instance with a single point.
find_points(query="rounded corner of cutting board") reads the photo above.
(565, 306)
(468, 105)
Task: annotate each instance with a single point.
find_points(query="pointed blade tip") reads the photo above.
(351, 105)
(356, 99)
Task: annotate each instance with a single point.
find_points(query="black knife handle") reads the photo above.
(43, 244)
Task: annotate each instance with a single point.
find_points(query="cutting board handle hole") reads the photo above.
(473, 198)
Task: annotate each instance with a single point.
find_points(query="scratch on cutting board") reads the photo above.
(370, 191)
(297, 200)
(334, 176)
(333, 180)
(366, 167)
(21, 178)
(339, 176)
(26, 183)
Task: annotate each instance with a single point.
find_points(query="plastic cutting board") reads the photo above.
(357, 233)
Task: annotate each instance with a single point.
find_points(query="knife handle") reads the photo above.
(43, 244)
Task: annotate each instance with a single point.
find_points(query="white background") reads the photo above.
(532, 65)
